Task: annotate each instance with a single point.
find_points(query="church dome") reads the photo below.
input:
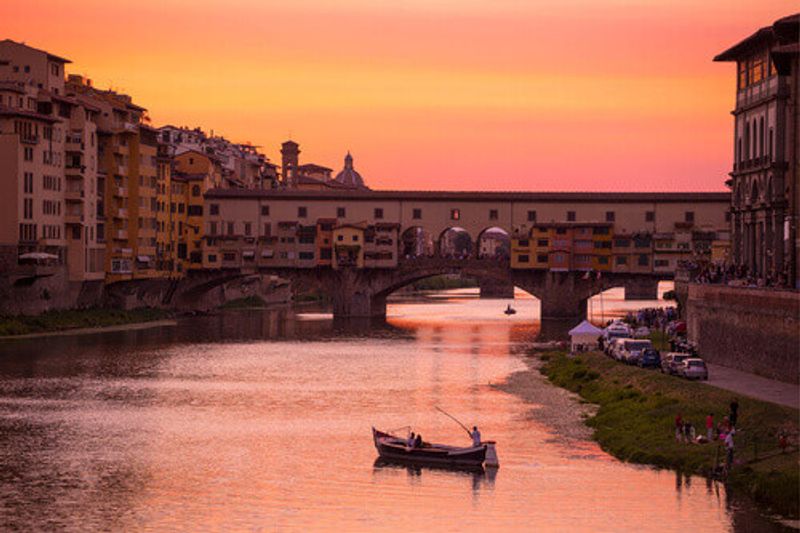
(348, 176)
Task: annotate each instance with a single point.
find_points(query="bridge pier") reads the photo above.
(353, 296)
(563, 307)
(495, 289)
(641, 289)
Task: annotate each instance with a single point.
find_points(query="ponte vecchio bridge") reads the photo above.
(360, 246)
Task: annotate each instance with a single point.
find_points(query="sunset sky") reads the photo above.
(430, 94)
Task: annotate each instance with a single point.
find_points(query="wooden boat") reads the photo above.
(393, 448)
(510, 310)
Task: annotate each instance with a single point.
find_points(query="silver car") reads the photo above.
(693, 368)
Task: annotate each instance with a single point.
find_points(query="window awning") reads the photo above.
(143, 258)
(268, 253)
(248, 253)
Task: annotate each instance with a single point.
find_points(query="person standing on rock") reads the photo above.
(734, 412)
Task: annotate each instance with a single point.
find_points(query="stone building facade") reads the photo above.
(765, 180)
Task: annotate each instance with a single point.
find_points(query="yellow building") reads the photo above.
(348, 246)
(521, 248)
(195, 173)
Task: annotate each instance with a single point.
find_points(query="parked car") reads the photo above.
(669, 364)
(616, 349)
(631, 349)
(650, 358)
(693, 368)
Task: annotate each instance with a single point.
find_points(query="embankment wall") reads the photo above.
(755, 330)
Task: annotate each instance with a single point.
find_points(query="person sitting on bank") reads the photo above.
(411, 440)
(476, 436)
(418, 441)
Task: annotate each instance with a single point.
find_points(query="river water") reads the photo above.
(260, 420)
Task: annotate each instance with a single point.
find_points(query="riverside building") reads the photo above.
(765, 180)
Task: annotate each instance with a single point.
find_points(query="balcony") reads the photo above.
(74, 194)
(121, 213)
(73, 218)
(29, 139)
(122, 192)
(74, 143)
(121, 235)
(73, 169)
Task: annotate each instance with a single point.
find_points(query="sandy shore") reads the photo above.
(557, 408)
(89, 331)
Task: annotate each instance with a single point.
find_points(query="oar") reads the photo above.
(455, 419)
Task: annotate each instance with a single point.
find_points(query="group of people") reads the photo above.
(734, 275)
(415, 440)
(723, 432)
(652, 317)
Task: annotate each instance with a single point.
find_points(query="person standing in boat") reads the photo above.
(476, 436)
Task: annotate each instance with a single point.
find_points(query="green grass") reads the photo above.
(636, 416)
(248, 302)
(76, 318)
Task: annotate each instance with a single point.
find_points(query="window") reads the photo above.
(649, 216)
(561, 231)
(610, 216)
(622, 243)
(524, 258)
(523, 242)
(212, 258)
(195, 211)
(302, 212)
(378, 213)
(28, 153)
(230, 228)
(531, 216)
(622, 259)
(571, 216)
(212, 228)
(196, 190)
(308, 256)
(493, 215)
(599, 245)
(455, 214)
(689, 216)
(248, 229)
(264, 210)
(213, 209)
(542, 242)
(727, 216)
(600, 230)
(416, 214)
(662, 262)
(267, 229)
(341, 212)
(340, 238)
(541, 258)
(355, 238)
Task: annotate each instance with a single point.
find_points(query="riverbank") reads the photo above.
(78, 321)
(635, 423)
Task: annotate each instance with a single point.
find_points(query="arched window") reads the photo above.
(746, 140)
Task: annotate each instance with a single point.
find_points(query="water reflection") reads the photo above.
(260, 420)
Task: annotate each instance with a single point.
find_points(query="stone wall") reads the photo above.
(755, 330)
(36, 295)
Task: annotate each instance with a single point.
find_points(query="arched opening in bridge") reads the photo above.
(494, 243)
(455, 243)
(416, 242)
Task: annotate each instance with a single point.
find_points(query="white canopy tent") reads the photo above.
(584, 334)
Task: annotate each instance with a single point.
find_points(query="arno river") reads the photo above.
(260, 420)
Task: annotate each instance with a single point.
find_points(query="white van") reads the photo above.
(631, 349)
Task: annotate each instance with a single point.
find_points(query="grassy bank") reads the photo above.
(76, 318)
(636, 416)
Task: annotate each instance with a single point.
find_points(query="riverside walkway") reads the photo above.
(747, 384)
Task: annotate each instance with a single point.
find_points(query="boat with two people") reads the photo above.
(412, 450)
(510, 310)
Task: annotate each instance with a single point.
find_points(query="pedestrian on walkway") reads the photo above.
(734, 416)
(710, 427)
(679, 428)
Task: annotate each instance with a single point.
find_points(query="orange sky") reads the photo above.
(430, 94)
